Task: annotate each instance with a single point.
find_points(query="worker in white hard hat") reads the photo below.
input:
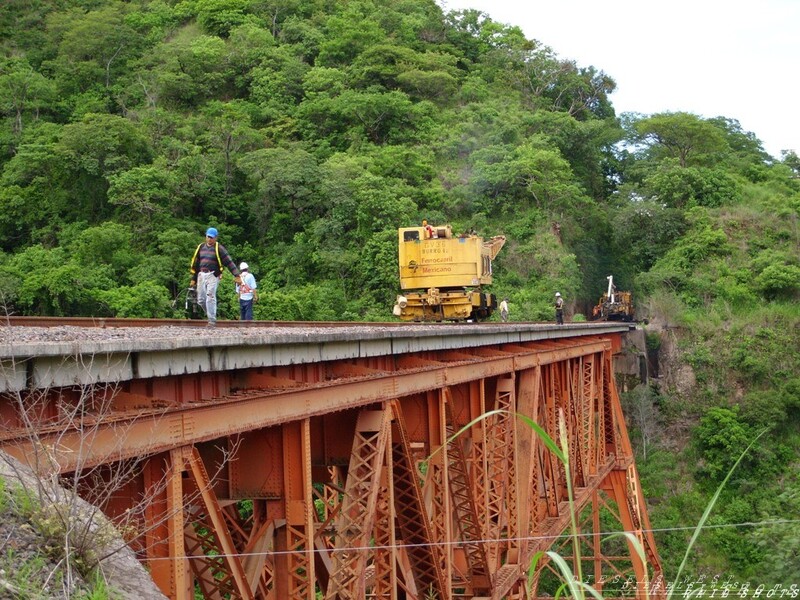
(559, 309)
(247, 292)
(504, 310)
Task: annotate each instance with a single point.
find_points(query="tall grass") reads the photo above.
(573, 584)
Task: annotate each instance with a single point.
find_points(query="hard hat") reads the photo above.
(211, 232)
(557, 294)
(243, 267)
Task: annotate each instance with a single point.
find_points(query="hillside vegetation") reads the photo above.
(308, 131)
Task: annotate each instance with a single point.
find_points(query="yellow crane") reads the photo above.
(613, 305)
(442, 275)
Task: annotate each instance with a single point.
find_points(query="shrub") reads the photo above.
(779, 281)
(721, 435)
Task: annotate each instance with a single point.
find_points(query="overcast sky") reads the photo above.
(735, 58)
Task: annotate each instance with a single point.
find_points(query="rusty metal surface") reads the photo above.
(378, 476)
(149, 431)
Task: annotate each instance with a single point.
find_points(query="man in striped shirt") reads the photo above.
(207, 264)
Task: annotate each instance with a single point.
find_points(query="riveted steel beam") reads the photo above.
(381, 475)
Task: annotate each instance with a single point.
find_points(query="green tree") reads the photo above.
(721, 435)
(93, 150)
(229, 133)
(277, 82)
(779, 538)
(109, 244)
(380, 117)
(34, 188)
(93, 45)
(476, 35)
(532, 174)
(642, 232)
(349, 33)
(101, 144)
(779, 282)
(23, 91)
(249, 46)
(50, 283)
(303, 35)
(286, 180)
(432, 76)
(144, 300)
(218, 17)
(142, 192)
(791, 160)
(684, 187)
(682, 136)
(184, 70)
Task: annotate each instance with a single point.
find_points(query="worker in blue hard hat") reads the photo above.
(207, 263)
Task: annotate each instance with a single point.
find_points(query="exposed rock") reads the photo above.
(125, 576)
(630, 365)
(677, 377)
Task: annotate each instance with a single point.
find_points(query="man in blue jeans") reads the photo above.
(207, 263)
(246, 290)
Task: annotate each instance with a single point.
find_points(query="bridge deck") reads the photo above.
(41, 357)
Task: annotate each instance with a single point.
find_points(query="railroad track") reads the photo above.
(22, 321)
(116, 322)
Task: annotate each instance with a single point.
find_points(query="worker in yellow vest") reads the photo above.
(207, 263)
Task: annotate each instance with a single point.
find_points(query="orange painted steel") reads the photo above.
(409, 476)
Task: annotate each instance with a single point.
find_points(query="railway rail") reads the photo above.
(25, 321)
(32, 321)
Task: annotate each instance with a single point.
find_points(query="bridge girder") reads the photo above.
(409, 476)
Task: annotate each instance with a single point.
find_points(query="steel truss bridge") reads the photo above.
(320, 461)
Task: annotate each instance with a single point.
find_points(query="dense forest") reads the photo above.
(308, 131)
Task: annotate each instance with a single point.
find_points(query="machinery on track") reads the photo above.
(613, 305)
(442, 276)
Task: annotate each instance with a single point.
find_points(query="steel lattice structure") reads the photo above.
(414, 475)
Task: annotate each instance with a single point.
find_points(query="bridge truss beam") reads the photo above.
(410, 476)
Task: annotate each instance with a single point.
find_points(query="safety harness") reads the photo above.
(196, 252)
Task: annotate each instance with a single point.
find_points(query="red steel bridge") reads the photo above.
(340, 461)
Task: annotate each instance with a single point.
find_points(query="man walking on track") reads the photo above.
(504, 310)
(207, 264)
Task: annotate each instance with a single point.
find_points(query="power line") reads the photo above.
(460, 543)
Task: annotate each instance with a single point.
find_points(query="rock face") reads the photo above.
(631, 365)
(660, 361)
(25, 550)
(674, 374)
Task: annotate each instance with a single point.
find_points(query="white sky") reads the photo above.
(738, 59)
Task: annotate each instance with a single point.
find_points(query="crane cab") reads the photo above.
(442, 274)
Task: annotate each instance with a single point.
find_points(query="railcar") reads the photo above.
(443, 276)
